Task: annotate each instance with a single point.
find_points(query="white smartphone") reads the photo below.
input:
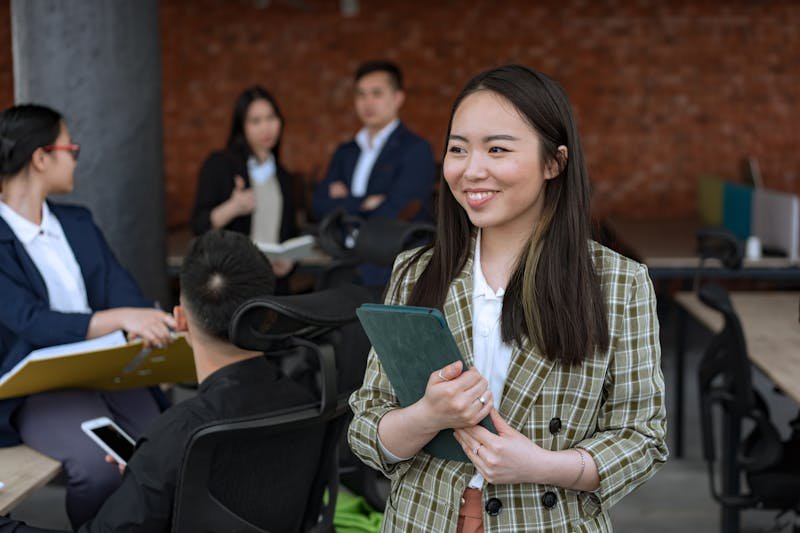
(110, 438)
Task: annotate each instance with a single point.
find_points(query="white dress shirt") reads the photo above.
(50, 251)
(492, 355)
(369, 154)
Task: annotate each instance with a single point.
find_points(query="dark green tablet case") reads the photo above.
(412, 343)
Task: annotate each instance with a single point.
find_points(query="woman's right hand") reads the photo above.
(456, 399)
(151, 325)
(242, 199)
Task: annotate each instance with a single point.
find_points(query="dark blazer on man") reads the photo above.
(403, 171)
(26, 320)
(215, 185)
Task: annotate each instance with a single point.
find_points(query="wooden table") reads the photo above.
(178, 244)
(23, 470)
(771, 331)
(668, 247)
(772, 336)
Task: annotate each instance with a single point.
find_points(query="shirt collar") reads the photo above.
(24, 229)
(362, 137)
(480, 287)
(258, 368)
(261, 171)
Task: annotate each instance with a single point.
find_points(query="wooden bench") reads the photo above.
(23, 470)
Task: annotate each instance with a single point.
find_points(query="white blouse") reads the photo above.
(50, 251)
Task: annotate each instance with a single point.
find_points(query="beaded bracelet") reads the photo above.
(583, 467)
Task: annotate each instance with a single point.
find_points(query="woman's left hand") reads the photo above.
(508, 457)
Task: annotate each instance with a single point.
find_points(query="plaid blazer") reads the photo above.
(612, 406)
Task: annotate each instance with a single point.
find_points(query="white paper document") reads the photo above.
(294, 249)
(111, 340)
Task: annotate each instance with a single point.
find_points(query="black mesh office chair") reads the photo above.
(226, 481)
(770, 466)
(352, 241)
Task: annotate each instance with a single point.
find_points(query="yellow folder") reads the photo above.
(116, 368)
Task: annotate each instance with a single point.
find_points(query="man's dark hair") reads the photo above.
(222, 270)
(395, 76)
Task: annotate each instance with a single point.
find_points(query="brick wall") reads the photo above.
(664, 91)
(6, 64)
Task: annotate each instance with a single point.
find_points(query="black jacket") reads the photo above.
(215, 185)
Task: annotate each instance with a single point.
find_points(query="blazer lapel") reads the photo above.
(458, 307)
(527, 374)
(386, 161)
(35, 279)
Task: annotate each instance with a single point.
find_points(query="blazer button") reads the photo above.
(549, 499)
(493, 506)
(555, 425)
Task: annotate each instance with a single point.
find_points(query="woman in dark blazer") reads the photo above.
(244, 188)
(60, 283)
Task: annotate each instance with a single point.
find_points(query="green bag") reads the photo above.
(354, 515)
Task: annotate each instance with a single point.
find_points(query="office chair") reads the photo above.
(226, 482)
(770, 466)
(721, 244)
(353, 241)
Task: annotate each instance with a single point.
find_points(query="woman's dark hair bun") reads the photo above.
(23, 129)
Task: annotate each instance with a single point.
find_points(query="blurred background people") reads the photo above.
(243, 187)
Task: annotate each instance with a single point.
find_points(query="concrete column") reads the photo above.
(98, 62)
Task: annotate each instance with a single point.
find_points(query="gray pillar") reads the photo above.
(99, 63)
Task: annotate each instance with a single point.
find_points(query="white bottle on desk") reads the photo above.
(752, 250)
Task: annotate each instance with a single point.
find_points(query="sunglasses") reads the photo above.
(74, 149)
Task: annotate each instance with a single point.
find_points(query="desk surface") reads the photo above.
(671, 244)
(771, 329)
(23, 470)
(178, 244)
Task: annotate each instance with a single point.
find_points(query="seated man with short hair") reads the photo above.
(222, 270)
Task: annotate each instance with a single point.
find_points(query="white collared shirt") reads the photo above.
(50, 251)
(261, 172)
(492, 356)
(369, 154)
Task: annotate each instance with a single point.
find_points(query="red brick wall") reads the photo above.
(6, 64)
(664, 91)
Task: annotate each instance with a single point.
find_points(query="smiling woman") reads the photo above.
(560, 335)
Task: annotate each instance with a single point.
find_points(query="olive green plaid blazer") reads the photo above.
(612, 406)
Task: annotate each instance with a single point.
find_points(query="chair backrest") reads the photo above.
(721, 244)
(725, 381)
(374, 240)
(227, 481)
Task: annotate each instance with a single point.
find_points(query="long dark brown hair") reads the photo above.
(237, 143)
(553, 297)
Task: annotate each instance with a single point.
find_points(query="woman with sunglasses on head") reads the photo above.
(61, 283)
(244, 188)
(559, 333)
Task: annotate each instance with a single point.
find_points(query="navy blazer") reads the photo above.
(403, 171)
(26, 320)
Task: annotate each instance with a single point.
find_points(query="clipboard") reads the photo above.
(411, 344)
(100, 366)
